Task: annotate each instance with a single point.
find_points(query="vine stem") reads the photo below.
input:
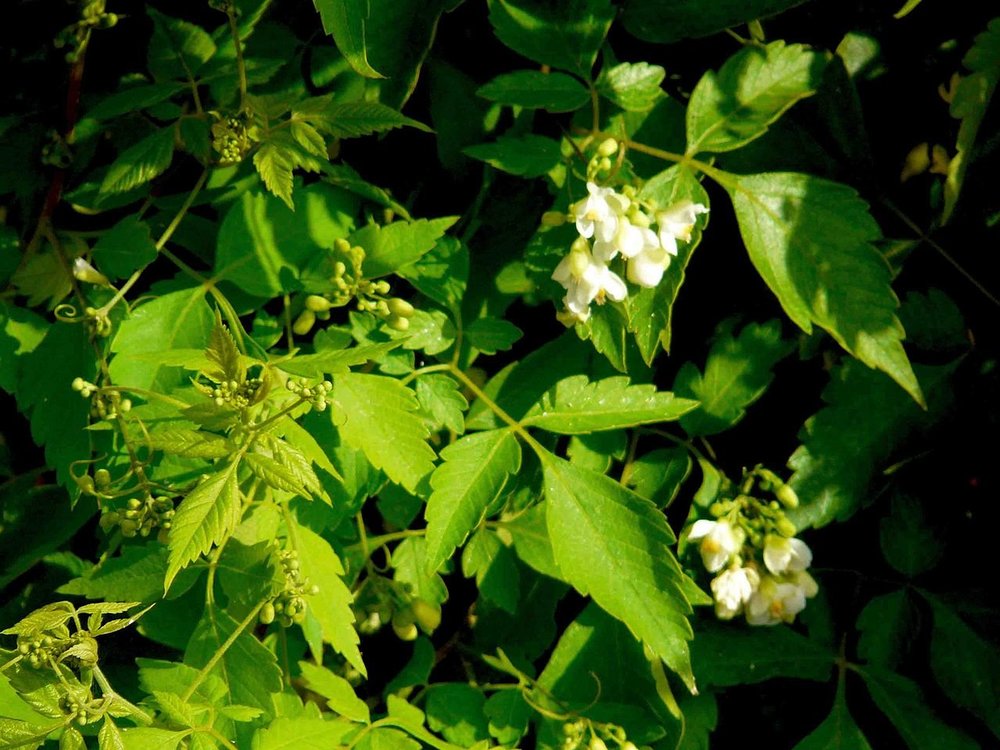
(241, 67)
(221, 651)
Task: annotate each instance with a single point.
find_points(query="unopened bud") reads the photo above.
(399, 324)
(400, 307)
(304, 323)
(342, 246)
(317, 303)
(785, 527)
(102, 477)
(426, 616)
(787, 496)
(553, 219)
(609, 147)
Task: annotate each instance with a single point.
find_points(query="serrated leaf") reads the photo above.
(635, 87)
(725, 655)
(178, 48)
(965, 665)
(409, 562)
(910, 544)
(494, 566)
(441, 398)
(126, 247)
(752, 89)
(971, 99)
(204, 518)
(263, 245)
(44, 618)
(332, 605)
(302, 733)
(441, 274)
(21, 330)
(338, 692)
(838, 730)
(137, 165)
(667, 21)
(619, 553)
(530, 535)
(381, 420)
(508, 714)
(248, 671)
(811, 241)
(276, 475)
(137, 575)
(399, 244)
(902, 702)
(181, 441)
(353, 119)
(336, 361)
(456, 711)
(523, 155)
(845, 443)
(345, 21)
(221, 351)
(658, 475)
(430, 331)
(490, 335)
(247, 573)
(533, 89)
(176, 710)
(888, 626)
(474, 471)
(737, 373)
(110, 737)
(151, 738)
(650, 311)
(274, 165)
(43, 278)
(292, 466)
(564, 35)
(576, 406)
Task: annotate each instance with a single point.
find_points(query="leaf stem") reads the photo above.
(241, 68)
(221, 651)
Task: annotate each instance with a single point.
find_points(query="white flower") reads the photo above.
(598, 213)
(646, 267)
(780, 600)
(677, 222)
(585, 280)
(719, 542)
(782, 554)
(83, 271)
(629, 239)
(732, 589)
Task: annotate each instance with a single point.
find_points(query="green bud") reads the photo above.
(401, 307)
(343, 246)
(304, 323)
(78, 384)
(596, 743)
(553, 219)
(785, 527)
(85, 483)
(399, 324)
(425, 615)
(787, 496)
(134, 504)
(266, 616)
(604, 165)
(317, 303)
(609, 147)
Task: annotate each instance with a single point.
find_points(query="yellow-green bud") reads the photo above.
(342, 245)
(317, 304)
(304, 323)
(787, 496)
(553, 219)
(604, 165)
(596, 743)
(785, 527)
(426, 616)
(85, 483)
(609, 147)
(399, 324)
(400, 307)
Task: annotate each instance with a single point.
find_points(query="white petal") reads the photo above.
(604, 252)
(646, 269)
(801, 555)
(777, 553)
(614, 287)
(700, 528)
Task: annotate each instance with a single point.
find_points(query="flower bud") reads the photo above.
(787, 496)
(553, 219)
(342, 246)
(426, 616)
(399, 324)
(785, 527)
(596, 743)
(400, 307)
(316, 303)
(609, 147)
(266, 616)
(304, 323)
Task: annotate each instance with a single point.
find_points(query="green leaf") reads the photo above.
(565, 35)
(263, 244)
(753, 89)
(490, 335)
(274, 164)
(508, 714)
(336, 361)
(332, 605)
(248, 573)
(430, 331)
(972, 97)
(667, 21)
(181, 441)
(846, 443)
(21, 330)
(126, 247)
(175, 710)
(135, 575)
(353, 119)
(737, 373)
(409, 562)
(650, 311)
(811, 241)
(381, 420)
(965, 665)
(204, 518)
(247, 670)
(303, 733)
(221, 352)
(151, 738)
(838, 730)
(533, 89)
(143, 162)
(456, 711)
(441, 398)
(530, 535)
(288, 470)
(474, 471)
(725, 655)
(177, 320)
(58, 414)
(495, 567)
(338, 692)
(110, 737)
(619, 553)
(43, 278)
(888, 624)
(658, 475)
(399, 244)
(576, 405)
(441, 274)
(635, 87)
(902, 702)
(178, 49)
(909, 543)
(524, 155)
(417, 670)
(345, 21)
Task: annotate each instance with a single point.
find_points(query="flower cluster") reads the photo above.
(761, 566)
(613, 224)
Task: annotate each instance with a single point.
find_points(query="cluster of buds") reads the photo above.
(81, 709)
(317, 395)
(382, 601)
(584, 733)
(289, 606)
(97, 322)
(616, 224)
(349, 284)
(140, 517)
(760, 564)
(103, 404)
(240, 395)
(74, 36)
(42, 650)
(230, 140)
